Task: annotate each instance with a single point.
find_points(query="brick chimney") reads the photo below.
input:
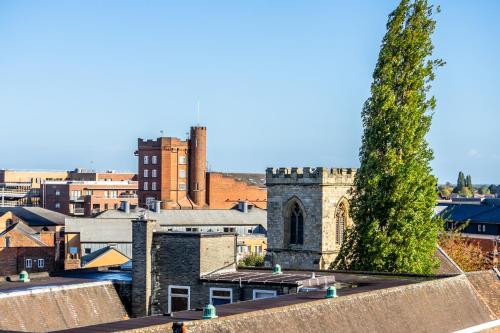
(198, 165)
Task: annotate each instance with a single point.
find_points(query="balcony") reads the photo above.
(78, 211)
(77, 199)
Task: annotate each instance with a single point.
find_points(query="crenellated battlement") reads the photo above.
(309, 175)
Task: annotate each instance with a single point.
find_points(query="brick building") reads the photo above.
(22, 187)
(177, 271)
(22, 248)
(89, 197)
(173, 171)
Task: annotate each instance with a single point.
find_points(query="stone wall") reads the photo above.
(12, 259)
(319, 193)
(60, 307)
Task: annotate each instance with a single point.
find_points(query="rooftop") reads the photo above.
(293, 279)
(36, 216)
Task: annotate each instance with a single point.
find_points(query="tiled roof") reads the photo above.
(255, 179)
(25, 230)
(96, 254)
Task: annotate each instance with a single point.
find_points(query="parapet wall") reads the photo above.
(51, 308)
(308, 175)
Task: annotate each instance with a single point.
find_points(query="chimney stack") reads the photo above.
(198, 165)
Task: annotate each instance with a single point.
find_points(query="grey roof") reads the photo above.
(27, 231)
(255, 179)
(36, 216)
(94, 230)
(254, 216)
(484, 213)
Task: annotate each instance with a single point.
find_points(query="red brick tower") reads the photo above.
(198, 165)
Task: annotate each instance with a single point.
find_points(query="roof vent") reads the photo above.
(277, 269)
(331, 292)
(24, 277)
(209, 312)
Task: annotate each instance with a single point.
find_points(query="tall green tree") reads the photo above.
(460, 183)
(395, 191)
(493, 189)
(468, 182)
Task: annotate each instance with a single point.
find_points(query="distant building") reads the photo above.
(89, 197)
(113, 228)
(481, 221)
(174, 172)
(307, 215)
(24, 249)
(22, 187)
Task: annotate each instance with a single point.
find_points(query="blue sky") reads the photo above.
(280, 83)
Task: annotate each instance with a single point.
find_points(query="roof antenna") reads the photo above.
(198, 113)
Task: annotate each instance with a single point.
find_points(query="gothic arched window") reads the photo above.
(340, 223)
(296, 225)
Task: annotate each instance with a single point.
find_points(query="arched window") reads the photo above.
(340, 223)
(296, 225)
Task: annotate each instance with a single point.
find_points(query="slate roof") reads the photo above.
(254, 179)
(254, 216)
(93, 230)
(25, 230)
(488, 214)
(36, 216)
(268, 278)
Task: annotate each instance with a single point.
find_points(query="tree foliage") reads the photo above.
(395, 192)
(252, 260)
(466, 253)
(460, 182)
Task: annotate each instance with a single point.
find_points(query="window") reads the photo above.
(249, 231)
(228, 229)
(41, 263)
(182, 186)
(153, 186)
(146, 173)
(75, 195)
(57, 205)
(145, 186)
(182, 173)
(192, 229)
(178, 298)
(296, 225)
(481, 228)
(182, 159)
(7, 241)
(106, 206)
(154, 159)
(58, 193)
(340, 221)
(88, 192)
(28, 263)
(260, 294)
(219, 296)
(106, 194)
(258, 249)
(87, 250)
(146, 159)
(153, 173)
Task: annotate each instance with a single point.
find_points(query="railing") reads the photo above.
(75, 198)
(79, 211)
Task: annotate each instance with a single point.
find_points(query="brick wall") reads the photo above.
(225, 192)
(12, 259)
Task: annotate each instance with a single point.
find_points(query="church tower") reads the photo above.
(307, 213)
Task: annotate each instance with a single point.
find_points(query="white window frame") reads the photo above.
(28, 263)
(182, 186)
(146, 159)
(255, 291)
(182, 173)
(58, 192)
(145, 186)
(153, 186)
(230, 297)
(57, 205)
(153, 173)
(154, 159)
(146, 173)
(169, 299)
(42, 261)
(182, 160)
